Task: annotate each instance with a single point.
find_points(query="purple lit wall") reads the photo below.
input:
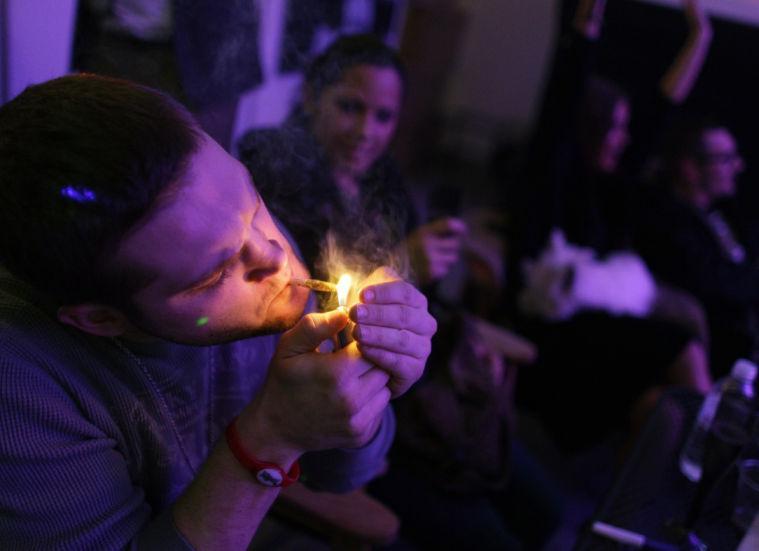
(739, 11)
(3, 51)
(35, 42)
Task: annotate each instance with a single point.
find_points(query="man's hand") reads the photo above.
(435, 247)
(312, 400)
(393, 328)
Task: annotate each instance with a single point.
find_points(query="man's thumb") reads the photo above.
(311, 331)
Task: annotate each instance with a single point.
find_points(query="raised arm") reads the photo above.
(589, 17)
(678, 81)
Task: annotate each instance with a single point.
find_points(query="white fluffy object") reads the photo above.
(566, 278)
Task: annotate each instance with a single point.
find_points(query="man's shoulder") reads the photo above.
(25, 316)
(32, 340)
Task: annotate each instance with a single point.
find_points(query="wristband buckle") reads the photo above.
(266, 473)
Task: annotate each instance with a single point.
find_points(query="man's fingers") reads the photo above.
(351, 362)
(370, 383)
(310, 331)
(364, 424)
(393, 340)
(395, 316)
(393, 292)
(403, 370)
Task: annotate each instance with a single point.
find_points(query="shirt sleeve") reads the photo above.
(65, 485)
(342, 470)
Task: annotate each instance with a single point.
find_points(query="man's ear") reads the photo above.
(95, 319)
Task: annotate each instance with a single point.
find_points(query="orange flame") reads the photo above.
(343, 289)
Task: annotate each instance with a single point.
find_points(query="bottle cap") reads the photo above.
(744, 369)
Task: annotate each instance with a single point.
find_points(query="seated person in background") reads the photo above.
(148, 307)
(329, 171)
(691, 235)
(458, 477)
(586, 298)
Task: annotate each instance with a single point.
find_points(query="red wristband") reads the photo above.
(266, 473)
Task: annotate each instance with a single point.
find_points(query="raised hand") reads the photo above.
(393, 328)
(678, 81)
(698, 21)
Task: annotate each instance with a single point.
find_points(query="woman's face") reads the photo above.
(355, 118)
(615, 140)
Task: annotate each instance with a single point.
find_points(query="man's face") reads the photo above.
(221, 266)
(355, 118)
(719, 163)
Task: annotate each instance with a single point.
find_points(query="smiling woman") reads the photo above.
(328, 168)
(355, 119)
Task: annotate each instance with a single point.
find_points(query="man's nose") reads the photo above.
(263, 259)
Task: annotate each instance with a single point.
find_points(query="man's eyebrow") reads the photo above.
(225, 259)
(228, 256)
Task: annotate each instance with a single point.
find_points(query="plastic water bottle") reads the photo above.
(728, 404)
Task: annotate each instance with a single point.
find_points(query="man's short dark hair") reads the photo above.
(685, 140)
(82, 160)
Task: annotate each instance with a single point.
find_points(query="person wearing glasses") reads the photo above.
(692, 234)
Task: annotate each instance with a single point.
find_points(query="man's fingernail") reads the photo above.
(368, 295)
(361, 312)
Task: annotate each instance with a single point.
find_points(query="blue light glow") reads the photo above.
(78, 194)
